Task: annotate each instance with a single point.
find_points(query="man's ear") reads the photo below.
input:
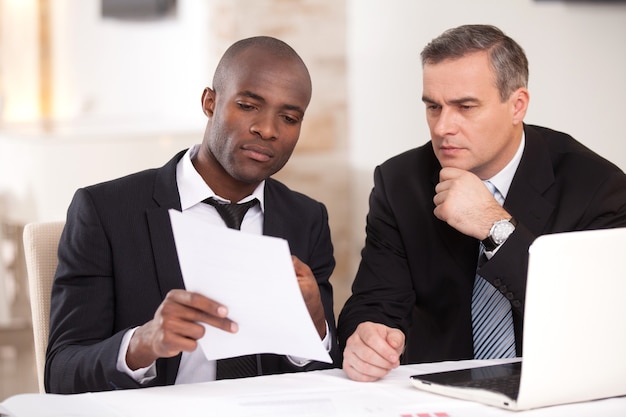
(520, 104)
(208, 101)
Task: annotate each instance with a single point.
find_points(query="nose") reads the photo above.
(445, 123)
(265, 127)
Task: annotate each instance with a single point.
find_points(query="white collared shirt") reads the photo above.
(194, 367)
(503, 179)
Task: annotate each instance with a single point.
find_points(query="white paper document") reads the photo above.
(253, 276)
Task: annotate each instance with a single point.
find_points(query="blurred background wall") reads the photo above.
(88, 93)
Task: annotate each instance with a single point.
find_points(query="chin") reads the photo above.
(250, 177)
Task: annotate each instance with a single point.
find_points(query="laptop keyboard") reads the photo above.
(507, 385)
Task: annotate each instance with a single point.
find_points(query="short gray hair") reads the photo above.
(507, 58)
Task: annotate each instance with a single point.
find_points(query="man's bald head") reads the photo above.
(267, 45)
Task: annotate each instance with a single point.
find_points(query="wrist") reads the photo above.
(499, 233)
(137, 355)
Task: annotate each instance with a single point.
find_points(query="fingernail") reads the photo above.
(234, 328)
(222, 311)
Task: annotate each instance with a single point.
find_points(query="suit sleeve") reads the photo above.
(382, 291)
(304, 223)
(322, 263)
(82, 350)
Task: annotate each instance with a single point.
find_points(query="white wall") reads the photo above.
(19, 78)
(137, 81)
(107, 70)
(127, 70)
(126, 97)
(577, 65)
(39, 172)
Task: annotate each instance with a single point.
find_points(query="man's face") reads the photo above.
(255, 118)
(471, 128)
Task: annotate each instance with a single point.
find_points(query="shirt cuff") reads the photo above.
(141, 375)
(327, 345)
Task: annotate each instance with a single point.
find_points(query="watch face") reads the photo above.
(501, 231)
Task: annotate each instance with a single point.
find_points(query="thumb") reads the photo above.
(395, 338)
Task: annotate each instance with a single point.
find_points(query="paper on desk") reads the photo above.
(253, 276)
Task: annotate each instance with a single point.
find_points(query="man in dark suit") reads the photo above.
(120, 316)
(484, 187)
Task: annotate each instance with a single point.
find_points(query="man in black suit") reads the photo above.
(120, 316)
(431, 210)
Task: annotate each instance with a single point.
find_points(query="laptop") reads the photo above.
(574, 329)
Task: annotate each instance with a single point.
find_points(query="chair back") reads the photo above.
(41, 242)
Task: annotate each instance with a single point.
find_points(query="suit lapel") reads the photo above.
(525, 200)
(273, 218)
(169, 275)
(163, 247)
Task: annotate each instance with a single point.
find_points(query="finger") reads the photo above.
(297, 263)
(197, 301)
(359, 367)
(194, 307)
(368, 375)
(172, 343)
(301, 269)
(448, 173)
(370, 345)
(396, 340)
(440, 197)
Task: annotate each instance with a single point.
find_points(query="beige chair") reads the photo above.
(41, 241)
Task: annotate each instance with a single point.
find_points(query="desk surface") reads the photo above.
(317, 393)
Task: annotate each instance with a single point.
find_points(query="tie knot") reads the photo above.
(494, 192)
(231, 213)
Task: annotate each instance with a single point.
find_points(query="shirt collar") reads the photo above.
(193, 190)
(503, 179)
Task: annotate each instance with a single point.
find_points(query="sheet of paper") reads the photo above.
(253, 276)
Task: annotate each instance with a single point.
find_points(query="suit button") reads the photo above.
(503, 289)
(516, 303)
(497, 282)
(509, 295)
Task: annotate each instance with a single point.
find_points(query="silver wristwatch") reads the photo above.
(499, 233)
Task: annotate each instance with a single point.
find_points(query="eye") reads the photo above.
(245, 106)
(290, 120)
(467, 107)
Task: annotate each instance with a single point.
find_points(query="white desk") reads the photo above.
(318, 393)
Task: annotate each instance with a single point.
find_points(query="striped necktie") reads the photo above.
(247, 365)
(492, 319)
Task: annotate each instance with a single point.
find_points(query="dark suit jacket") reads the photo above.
(417, 273)
(117, 261)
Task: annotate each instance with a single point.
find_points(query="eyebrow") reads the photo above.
(460, 100)
(250, 94)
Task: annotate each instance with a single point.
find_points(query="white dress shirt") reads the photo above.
(503, 179)
(194, 367)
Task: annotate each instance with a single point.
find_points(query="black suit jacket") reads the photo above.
(117, 261)
(417, 272)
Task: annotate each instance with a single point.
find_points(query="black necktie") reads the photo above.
(232, 214)
(247, 365)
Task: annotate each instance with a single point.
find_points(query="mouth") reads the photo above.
(449, 149)
(257, 152)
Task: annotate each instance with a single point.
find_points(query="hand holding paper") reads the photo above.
(254, 277)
